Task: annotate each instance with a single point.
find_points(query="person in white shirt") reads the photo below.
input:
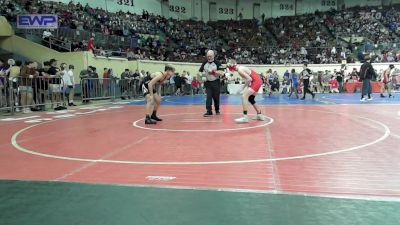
(69, 82)
(46, 34)
(142, 74)
(189, 79)
(333, 51)
(65, 79)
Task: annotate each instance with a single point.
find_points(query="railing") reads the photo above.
(101, 39)
(32, 94)
(113, 88)
(57, 44)
(109, 88)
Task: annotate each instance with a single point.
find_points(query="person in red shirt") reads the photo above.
(91, 44)
(195, 86)
(253, 83)
(334, 85)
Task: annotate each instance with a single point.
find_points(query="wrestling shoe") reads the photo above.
(259, 117)
(243, 119)
(154, 117)
(150, 121)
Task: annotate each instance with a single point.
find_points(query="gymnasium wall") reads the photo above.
(310, 6)
(363, 2)
(5, 27)
(39, 53)
(227, 9)
(117, 64)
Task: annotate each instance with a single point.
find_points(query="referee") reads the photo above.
(306, 75)
(213, 85)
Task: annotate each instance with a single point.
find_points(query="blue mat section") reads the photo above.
(325, 99)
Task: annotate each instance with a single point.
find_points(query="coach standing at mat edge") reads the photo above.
(213, 86)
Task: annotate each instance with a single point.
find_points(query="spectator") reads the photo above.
(334, 85)
(43, 85)
(196, 85)
(172, 84)
(106, 82)
(69, 81)
(91, 44)
(285, 85)
(179, 82)
(286, 75)
(367, 72)
(125, 84)
(28, 73)
(294, 83)
(85, 76)
(46, 37)
(189, 79)
(339, 78)
(55, 84)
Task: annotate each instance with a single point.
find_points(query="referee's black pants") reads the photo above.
(306, 88)
(213, 89)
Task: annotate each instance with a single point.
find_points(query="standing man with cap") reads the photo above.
(212, 84)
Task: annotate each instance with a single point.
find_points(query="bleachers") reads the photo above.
(278, 40)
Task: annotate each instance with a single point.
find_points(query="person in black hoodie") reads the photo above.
(367, 72)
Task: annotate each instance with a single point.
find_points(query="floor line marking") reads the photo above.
(275, 178)
(205, 119)
(383, 137)
(19, 118)
(33, 121)
(201, 121)
(135, 124)
(168, 99)
(395, 135)
(87, 165)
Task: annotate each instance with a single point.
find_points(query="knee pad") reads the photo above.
(252, 99)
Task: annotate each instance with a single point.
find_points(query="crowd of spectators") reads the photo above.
(377, 25)
(320, 37)
(31, 86)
